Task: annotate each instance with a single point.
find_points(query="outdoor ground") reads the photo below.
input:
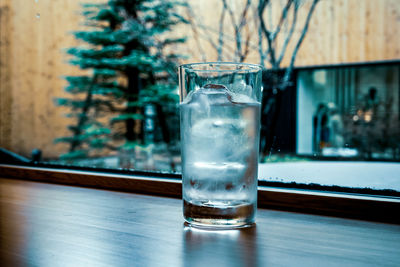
(375, 175)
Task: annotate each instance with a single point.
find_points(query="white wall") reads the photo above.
(305, 110)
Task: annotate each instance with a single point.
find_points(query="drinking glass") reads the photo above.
(220, 125)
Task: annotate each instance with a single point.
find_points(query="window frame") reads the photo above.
(339, 204)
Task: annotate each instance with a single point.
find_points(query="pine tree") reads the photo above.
(128, 64)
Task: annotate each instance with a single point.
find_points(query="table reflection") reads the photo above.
(204, 247)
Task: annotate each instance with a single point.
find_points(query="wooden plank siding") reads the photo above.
(32, 61)
(32, 64)
(5, 76)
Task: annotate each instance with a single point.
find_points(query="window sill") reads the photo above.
(365, 207)
(46, 224)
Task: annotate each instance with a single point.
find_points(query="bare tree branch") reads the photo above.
(285, 23)
(238, 27)
(240, 45)
(221, 35)
(190, 16)
(259, 34)
(230, 11)
(289, 70)
(243, 21)
(221, 47)
(226, 37)
(290, 34)
(270, 49)
(210, 40)
(207, 32)
(238, 40)
(244, 14)
(282, 19)
(246, 45)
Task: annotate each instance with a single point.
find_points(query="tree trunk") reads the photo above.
(134, 86)
(270, 113)
(83, 117)
(271, 109)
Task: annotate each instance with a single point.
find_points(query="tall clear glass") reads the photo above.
(220, 125)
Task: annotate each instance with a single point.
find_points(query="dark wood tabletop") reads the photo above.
(57, 225)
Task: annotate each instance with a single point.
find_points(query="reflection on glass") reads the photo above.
(345, 116)
(349, 112)
(220, 247)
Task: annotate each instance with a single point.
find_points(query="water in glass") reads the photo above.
(219, 132)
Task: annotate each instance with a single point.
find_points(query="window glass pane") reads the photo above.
(94, 83)
(347, 129)
(355, 112)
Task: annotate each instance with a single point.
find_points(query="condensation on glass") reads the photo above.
(220, 123)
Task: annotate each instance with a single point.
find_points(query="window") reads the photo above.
(93, 85)
(355, 112)
(346, 129)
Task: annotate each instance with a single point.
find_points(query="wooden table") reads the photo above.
(56, 225)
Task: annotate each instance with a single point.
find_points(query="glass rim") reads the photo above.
(249, 67)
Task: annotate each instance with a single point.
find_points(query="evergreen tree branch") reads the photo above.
(83, 118)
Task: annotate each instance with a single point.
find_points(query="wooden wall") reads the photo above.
(352, 31)
(341, 31)
(33, 34)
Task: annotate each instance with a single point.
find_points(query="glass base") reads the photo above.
(204, 214)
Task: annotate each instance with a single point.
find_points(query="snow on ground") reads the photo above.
(375, 175)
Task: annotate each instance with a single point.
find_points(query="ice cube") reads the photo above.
(202, 100)
(242, 99)
(220, 139)
(214, 94)
(209, 94)
(241, 93)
